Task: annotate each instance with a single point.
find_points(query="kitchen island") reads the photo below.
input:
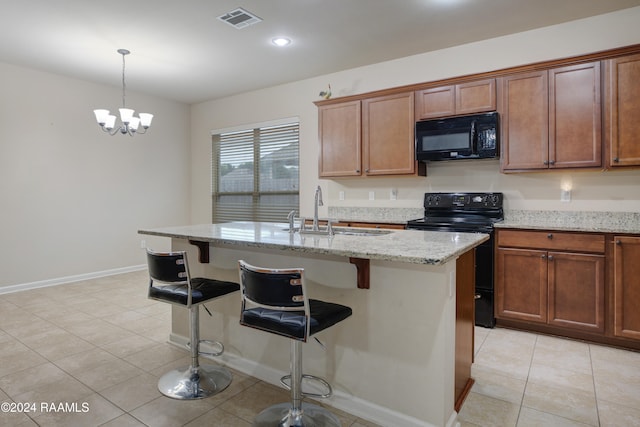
(394, 361)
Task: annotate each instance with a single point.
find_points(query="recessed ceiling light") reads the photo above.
(281, 41)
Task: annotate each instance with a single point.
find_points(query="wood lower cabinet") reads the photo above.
(576, 291)
(538, 283)
(626, 287)
(622, 110)
(464, 98)
(552, 119)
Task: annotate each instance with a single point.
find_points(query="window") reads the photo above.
(255, 173)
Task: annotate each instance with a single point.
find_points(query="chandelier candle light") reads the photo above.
(130, 123)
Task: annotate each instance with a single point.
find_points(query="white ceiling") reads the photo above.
(181, 51)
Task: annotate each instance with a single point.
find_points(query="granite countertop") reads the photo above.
(585, 221)
(409, 246)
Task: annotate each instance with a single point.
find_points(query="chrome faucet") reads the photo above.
(291, 219)
(317, 202)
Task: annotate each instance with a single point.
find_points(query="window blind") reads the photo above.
(255, 174)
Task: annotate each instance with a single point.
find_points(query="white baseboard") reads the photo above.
(361, 408)
(69, 279)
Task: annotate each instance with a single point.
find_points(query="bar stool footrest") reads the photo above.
(212, 343)
(285, 381)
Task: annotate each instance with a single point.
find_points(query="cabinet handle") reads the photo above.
(616, 160)
(549, 236)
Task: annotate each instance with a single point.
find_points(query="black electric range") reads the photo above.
(468, 213)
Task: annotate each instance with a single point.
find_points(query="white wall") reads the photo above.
(72, 197)
(618, 191)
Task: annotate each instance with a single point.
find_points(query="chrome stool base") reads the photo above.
(281, 415)
(188, 383)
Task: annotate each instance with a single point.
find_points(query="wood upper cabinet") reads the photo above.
(622, 111)
(388, 135)
(552, 118)
(626, 287)
(464, 98)
(539, 280)
(339, 129)
(524, 117)
(373, 136)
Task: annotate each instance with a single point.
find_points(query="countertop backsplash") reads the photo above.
(613, 222)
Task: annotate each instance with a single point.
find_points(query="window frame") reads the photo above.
(257, 211)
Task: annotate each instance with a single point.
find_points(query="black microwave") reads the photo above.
(464, 137)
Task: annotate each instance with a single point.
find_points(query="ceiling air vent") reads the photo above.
(239, 18)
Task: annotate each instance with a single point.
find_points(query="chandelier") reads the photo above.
(129, 123)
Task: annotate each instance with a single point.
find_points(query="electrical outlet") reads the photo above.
(372, 195)
(393, 194)
(341, 195)
(143, 244)
(565, 196)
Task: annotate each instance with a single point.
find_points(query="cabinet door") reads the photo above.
(388, 135)
(476, 97)
(626, 287)
(339, 130)
(575, 116)
(576, 291)
(622, 110)
(435, 102)
(525, 121)
(521, 286)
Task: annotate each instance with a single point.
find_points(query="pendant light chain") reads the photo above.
(123, 83)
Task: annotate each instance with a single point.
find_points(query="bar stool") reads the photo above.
(170, 281)
(275, 301)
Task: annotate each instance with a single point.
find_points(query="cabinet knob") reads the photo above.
(616, 160)
(552, 162)
(550, 257)
(543, 256)
(549, 236)
(546, 162)
(618, 242)
(366, 170)
(357, 170)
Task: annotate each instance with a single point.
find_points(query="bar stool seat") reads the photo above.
(170, 281)
(275, 301)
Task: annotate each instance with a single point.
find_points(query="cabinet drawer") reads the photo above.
(552, 240)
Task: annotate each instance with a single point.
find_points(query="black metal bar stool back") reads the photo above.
(275, 301)
(170, 281)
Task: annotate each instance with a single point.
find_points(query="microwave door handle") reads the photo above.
(473, 137)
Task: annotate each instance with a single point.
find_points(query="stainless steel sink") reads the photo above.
(345, 231)
(360, 231)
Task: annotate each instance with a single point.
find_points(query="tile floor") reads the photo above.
(102, 343)
(525, 380)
